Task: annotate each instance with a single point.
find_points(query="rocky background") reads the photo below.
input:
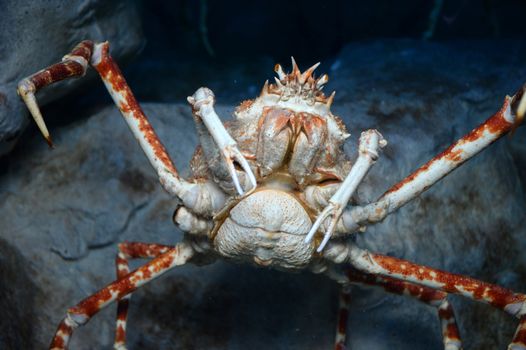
(63, 210)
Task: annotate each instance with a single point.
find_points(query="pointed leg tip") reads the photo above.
(238, 187)
(49, 141)
(252, 179)
(520, 102)
(324, 242)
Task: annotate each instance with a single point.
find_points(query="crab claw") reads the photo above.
(26, 90)
(202, 102)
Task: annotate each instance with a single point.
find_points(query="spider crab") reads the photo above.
(272, 188)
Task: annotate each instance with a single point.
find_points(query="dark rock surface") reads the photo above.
(35, 34)
(64, 210)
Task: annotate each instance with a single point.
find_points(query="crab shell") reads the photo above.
(281, 128)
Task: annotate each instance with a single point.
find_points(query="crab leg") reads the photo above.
(429, 296)
(519, 339)
(506, 119)
(131, 250)
(74, 64)
(499, 297)
(83, 311)
(370, 143)
(131, 111)
(202, 102)
(343, 317)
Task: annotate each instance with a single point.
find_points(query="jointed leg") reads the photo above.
(343, 317)
(519, 339)
(202, 102)
(429, 296)
(83, 311)
(73, 64)
(131, 250)
(203, 198)
(370, 143)
(505, 120)
(385, 266)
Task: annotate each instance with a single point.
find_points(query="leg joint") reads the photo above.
(74, 319)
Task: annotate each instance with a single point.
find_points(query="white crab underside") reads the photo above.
(269, 228)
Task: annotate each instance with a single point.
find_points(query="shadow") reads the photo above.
(17, 294)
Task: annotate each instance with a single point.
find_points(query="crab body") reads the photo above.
(290, 138)
(272, 188)
(294, 146)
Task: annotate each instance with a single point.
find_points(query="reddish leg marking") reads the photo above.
(494, 295)
(131, 250)
(450, 332)
(429, 296)
(149, 142)
(87, 308)
(499, 297)
(502, 122)
(69, 67)
(130, 109)
(519, 339)
(343, 317)
(73, 64)
(455, 155)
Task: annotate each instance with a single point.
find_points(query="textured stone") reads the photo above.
(64, 209)
(28, 45)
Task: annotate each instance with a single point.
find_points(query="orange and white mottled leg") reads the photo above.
(131, 250)
(426, 295)
(389, 267)
(519, 339)
(204, 198)
(86, 309)
(73, 64)
(509, 117)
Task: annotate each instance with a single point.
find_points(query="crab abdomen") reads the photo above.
(268, 228)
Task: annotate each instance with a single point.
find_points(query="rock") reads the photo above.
(17, 299)
(28, 45)
(64, 210)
